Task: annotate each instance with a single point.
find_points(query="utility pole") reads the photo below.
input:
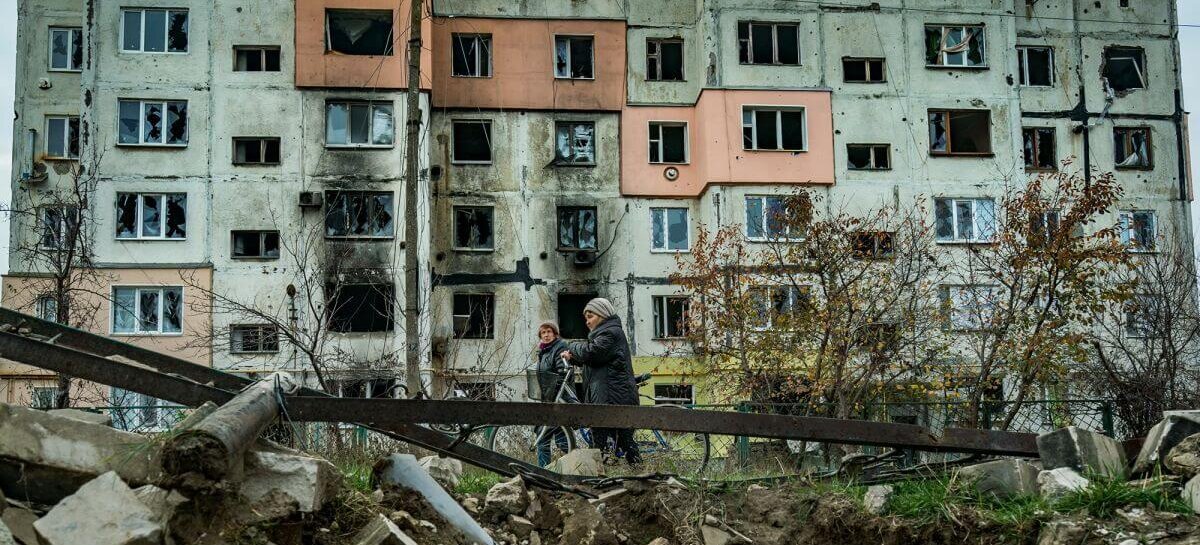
(412, 276)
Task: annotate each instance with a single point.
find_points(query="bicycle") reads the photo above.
(521, 442)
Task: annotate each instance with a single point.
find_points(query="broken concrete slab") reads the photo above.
(584, 525)
(104, 511)
(1168, 432)
(1003, 478)
(90, 417)
(292, 476)
(716, 532)
(520, 526)
(1058, 482)
(1191, 493)
(446, 471)
(876, 498)
(1082, 450)
(381, 531)
(585, 462)
(506, 498)
(19, 522)
(1184, 458)
(161, 502)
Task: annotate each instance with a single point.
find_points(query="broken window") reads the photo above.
(664, 59)
(151, 215)
(965, 220)
(668, 142)
(253, 339)
(360, 308)
(472, 55)
(255, 151)
(962, 46)
(570, 314)
(1142, 313)
(1138, 229)
(1124, 68)
(477, 391)
(473, 228)
(1043, 227)
(154, 30)
(970, 308)
(577, 228)
(255, 244)
(66, 49)
(1131, 147)
(669, 229)
(43, 397)
(62, 137)
(59, 223)
(670, 316)
(770, 218)
(873, 245)
(776, 305)
(255, 58)
(361, 124)
(768, 43)
(359, 214)
(868, 156)
(773, 129)
(153, 122)
(1035, 66)
(46, 308)
(358, 31)
(863, 70)
(472, 141)
(674, 394)
(575, 143)
(1038, 145)
(147, 310)
(960, 132)
(573, 57)
(141, 413)
(474, 315)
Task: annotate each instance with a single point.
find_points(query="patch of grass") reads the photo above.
(476, 481)
(931, 500)
(356, 475)
(1105, 495)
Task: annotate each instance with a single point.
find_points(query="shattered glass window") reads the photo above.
(151, 216)
(573, 57)
(127, 212)
(143, 215)
(1038, 147)
(965, 220)
(1035, 66)
(359, 214)
(769, 217)
(124, 310)
(971, 307)
(359, 124)
(177, 31)
(154, 31)
(577, 227)
(361, 308)
(472, 55)
(1124, 68)
(863, 70)
(1131, 147)
(668, 142)
(382, 125)
(62, 137)
(1138, 229)
(172, 310)
(473, 229)
(955, 46)
(960, 132)
(669, 229)
(358, 32)
(868, 156)
(575, 143)
(670, 321)
(129, 120)
(474, 315)
(66, 49)
(58, 225)
(153, 122)
(147, 310)
(256, 244)
(177, 123)
(152, 118)
(773, 129)
(176, 215)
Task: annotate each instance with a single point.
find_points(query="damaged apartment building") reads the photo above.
(250, 156)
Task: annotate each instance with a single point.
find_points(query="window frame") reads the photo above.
(1023, 66)
(328, 42)
(141, 204)
(1127, 140)
(1126, 225)
(45, 307)
(137, 310)
(984, 65)
(454, 227)
(558, 228)
(554, 55)
(778, 109)
(142, 31)
(330, 196)
(259, 329)
(262, 51)
(871, 151)
(949, 114)
(765, 223)
(336, 291)
(570, 124)
(1135, 325)
(371, 105)
(262, 234)
(479, 38)
(876, 239)
(661, 316)
(1037, 139)
(657, 56)
(64, 224)
(749, 61)
(956, 229)
(489, 329)
(487, 124)
(798, 295)
(165, 105)
(652, 125)
(73, 33)
(980, 322)
(866, 70)
(66, 143)
(686, 402)
(1139, 63)
(665, 224)
(262, 150)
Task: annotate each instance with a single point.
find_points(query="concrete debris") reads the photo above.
(1004, 478)
(1081, 450)
(1184, 459)
(403, 471)
(1062, 532)
(298, 479)
(1058, 482)
(1191, 493)
(471, 504)
(20, 523)
(83, 416)
(446, 471)
(614, 493)
(161, 502)
(876, 498)
(506, 498)
(586, 462)
(660, 541)
(584, 525)
(1168, 432)
(381, 531)
(716, 532)
(104, 511)
(520, 526)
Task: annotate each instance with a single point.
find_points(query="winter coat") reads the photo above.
(551, 372)
(606, 354)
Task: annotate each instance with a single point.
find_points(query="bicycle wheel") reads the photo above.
(679, 453)
(518, 442)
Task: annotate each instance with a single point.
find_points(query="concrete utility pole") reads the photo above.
(412, 276)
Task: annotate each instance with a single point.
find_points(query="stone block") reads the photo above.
(1184, 459)
(446, 471)
(19, 522)
(90, 417)
(1084, 451)
(1058, 482)
(876, 498)
(1168, 432)
(506, 498)
(105, 511)
(1003, 478)
(1191, 493)
(289, 476)
(381, 531)
(586, 462)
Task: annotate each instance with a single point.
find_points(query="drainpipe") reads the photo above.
(31, 141)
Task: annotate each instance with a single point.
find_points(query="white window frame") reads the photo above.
(261, 50)
(63, 225)
(72, 32)
(662, 320)
(662, 220)
(979, 316)
(796, 295)
(66, 143)
(965, 54)
(570, 125)
(978, 227)
(162, 224)
(137, 310)
(46, 308)
(569, 38)
(871, 152)
(1129, 234)
(866, 69)
(491, 149)
(1023, 64)
(655, 126)
(234, 347)
(778, 109)
(142, 31)
(371, 105)
(262, 243)
(480, 40)
(163, 104)
(689, 401)
(763, 221)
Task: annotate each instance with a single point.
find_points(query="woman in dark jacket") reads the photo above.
(551, 372)
(606, 354)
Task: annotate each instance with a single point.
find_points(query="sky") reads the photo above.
(1189, 39)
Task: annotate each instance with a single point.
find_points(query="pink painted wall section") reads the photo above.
(317, 68)
(715, 144)
(523, 66)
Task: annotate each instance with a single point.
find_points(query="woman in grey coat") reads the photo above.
(551, 372)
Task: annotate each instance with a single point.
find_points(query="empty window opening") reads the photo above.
(577, 228)
(1043, 227)
(768, 43)
(253, 339)
(570, 314)
(575, 143)
(1035, 66)
(472, 141)
(965, 220)
(360, 124)
(151, 215)
(868, 156)
(961, 46)
(1131, 147)
(775, 306)
(255, 151)
(255, 244)
(153, 122)
(62, 137)
(674, 394)
(863, 70)
(474, 315)
(773, 129)
(573, 57)
(670, 316)
(359, 214)
(154, 30)
(255, 58)
(360, 308)
(472, 55)
(873, 245)
(358, 32)
(60, 225)
(1038, 145)
(669, 229)
(771, 218)
(1139, 229)
(477, 391)
(970, 308)
(668, 142)
(960, 132)
(1143, 312)
(66, 49)
(473, 228)
(664, 59)
(43, 397)
(147, 310)
(1124, 68)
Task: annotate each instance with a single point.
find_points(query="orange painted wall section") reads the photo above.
(523, 66)
(317, 68)
(715, 144)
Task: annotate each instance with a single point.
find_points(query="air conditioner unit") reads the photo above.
(585, 259)
(37, 176)
(310, 199)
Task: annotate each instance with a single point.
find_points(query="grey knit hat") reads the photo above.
(550, 324)
(600, 307)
